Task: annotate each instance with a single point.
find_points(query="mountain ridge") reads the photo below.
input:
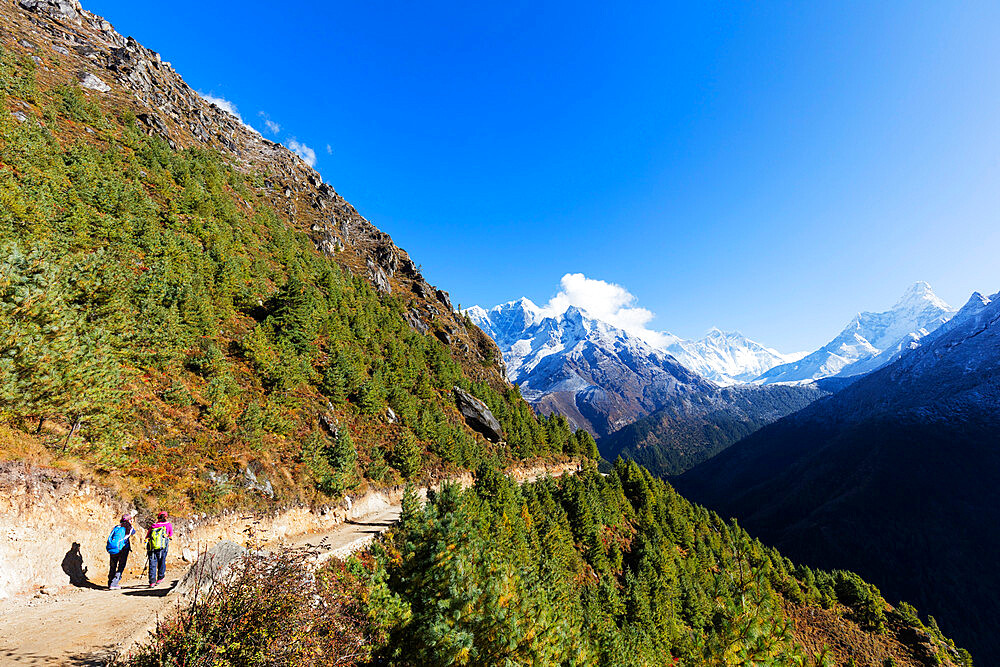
(892, 476)
(870, 340)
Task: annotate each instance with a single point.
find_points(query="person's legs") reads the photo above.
(117, 567)
(152, 567)
(162, 565)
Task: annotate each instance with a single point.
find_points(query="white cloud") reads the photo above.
(223, 104)
(271, 126)
(228, 107)
(303, 151)
(605, 301)
(329, 149)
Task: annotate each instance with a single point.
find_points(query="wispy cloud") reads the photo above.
(307, 154)
(606, 301)
(329, 149)
(223, 104)
(272, 127)
(228, 107)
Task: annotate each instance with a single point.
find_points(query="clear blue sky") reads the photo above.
(767, 167)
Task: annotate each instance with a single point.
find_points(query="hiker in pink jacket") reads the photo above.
(157, 541)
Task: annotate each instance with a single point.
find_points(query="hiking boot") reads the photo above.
(159, 581)
(114, 588)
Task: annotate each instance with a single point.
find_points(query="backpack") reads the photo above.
(116, 540)
(157, 538)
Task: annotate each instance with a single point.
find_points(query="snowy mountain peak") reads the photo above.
(870, 340)
(920, 295)
(725, 357)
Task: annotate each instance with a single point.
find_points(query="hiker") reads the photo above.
(157, 541)
(119, 548)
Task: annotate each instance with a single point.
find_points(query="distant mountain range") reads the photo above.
(870, 340)
(660, 412)
(600, 377)
(726, 357)
(893, 476)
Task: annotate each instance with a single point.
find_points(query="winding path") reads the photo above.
(87, 625)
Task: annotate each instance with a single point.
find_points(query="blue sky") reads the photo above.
(767, 167)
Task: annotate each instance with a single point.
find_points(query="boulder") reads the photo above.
(213, 565)
(413, 319)
(478, 416)
(88, 80)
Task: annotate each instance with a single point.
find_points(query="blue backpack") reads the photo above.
(117, 540)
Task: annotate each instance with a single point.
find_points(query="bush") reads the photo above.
(274, 610)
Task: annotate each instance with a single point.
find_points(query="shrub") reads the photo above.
(274, 610)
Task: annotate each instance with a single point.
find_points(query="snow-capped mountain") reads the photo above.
(870, 340)
(726, 358)
(599, 376)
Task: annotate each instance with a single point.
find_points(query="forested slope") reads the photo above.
(210, 325)
(583, 570)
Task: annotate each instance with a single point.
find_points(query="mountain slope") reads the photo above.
(680, 436)
(188, 312)
(870, 340)
(893, 476)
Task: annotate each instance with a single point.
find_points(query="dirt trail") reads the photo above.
(86, 625)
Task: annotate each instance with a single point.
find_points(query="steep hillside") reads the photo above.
(188, 312)
(893, 476)
(870, 340)
(680, 436)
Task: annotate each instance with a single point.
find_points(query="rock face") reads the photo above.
(478, 416)
(59, 9)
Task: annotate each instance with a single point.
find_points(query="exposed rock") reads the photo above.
(20, 115)
(390, 416)
(250, 479)
(88, 80)
(443, 297)
(58, 9)
(214, 565)
(443, 337)
(422, 289)
(478, 416)
(329, 424)
(378, 277)
(60, 49)
(413, 319)
(28, 45)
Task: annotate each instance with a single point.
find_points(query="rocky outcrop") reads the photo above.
(478, 416)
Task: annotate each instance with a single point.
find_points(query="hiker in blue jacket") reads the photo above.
(119, 547)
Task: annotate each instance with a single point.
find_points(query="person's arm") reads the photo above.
(170, 530)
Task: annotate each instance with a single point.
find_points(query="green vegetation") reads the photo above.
(168, 323)
(584, 570)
